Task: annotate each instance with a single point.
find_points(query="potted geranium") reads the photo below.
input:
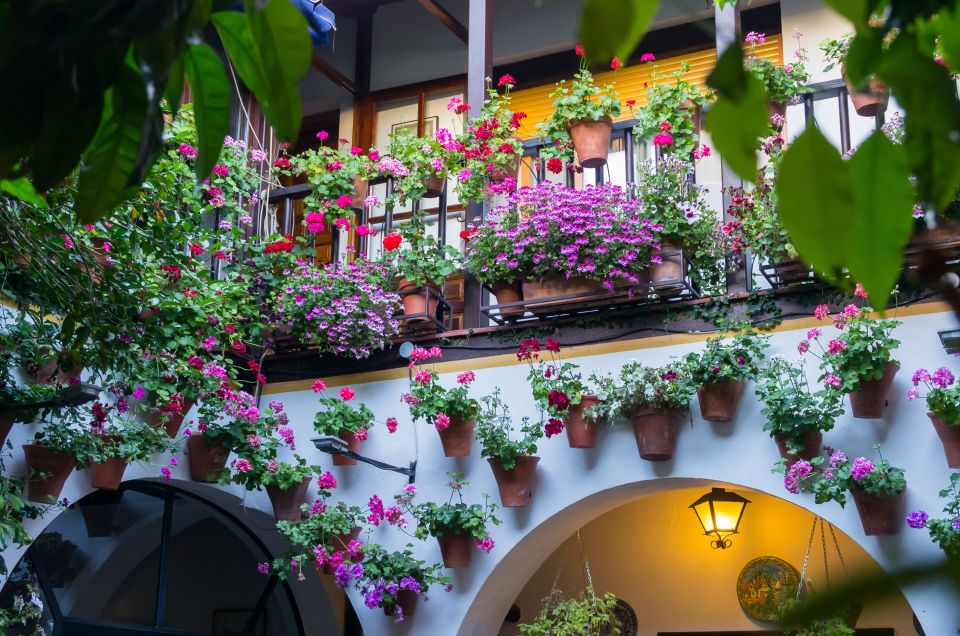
(53, 454)
(561, 393)
(393, 580)
(338, 417)
(755, 226)
(420, 170)
(457, 527)
(486, 250)
(945, 532)
(338, 177)
(943, 402)
(877, 489)
(586, 614)
(421, 263)
(286, 483)
(564, 241)
(686, 225)
(836, 625)
(870, 98)
(654, 399)
(451, 411)
(582, 114)
(721, 372)
(783, 83)
(487, 154)
(115, 444)
(512, 460)
(14, 510)
(859, 361)
(17, 395)
(38, 351)
(344, 310)
(796, 416)
(671, 115)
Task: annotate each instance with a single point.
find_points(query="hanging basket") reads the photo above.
(719, 400)
(868, 400)
(591, 140)
(457, 438)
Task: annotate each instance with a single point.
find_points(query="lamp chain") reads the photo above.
(836, 544)
(823, 542)
(586, 564)
(806, 557)
(563, 559)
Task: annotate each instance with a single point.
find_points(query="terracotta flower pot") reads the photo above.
(48, 471)
(777, 108)
(880, 515)
(7, 419)
(656, 431)
(208, 458)
(591, 140)
(286, 503)
(870, 102)
(719, 400)
(361, 187)
(108, 474)
(515, 485)
(537, 291)
(339, 542)
(434, 186)
(456, 550)
(406, 601)
(57, 370)
(172, 423)
(99, 510)
(417, 302)
(582, 432)
(868, 400)
(811, 443)
(668, 275)
(950, 438)
(353, 444)
(457, 438)
(508, 293)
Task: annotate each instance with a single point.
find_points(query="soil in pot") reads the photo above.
(417, 301)
(406, 601)
(880, 515)
(508, 293)
(286, 503)
(868, 400)
(456, 550)
(811, 443)
(515, 485)
(48, 471)
(950, 438)
(456, 439)
(107, 475)
(208, 458)
(719, 400)
(353, 444)
(591, 140)
(582, 432)
(656, 431)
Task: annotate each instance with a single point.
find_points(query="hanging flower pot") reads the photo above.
(950, 438)
(515, 485)
(668, 275)
(417, 301)
(870, 102)
(868, 400)
(434, 186)
(286, 503)
(458, 437)
(208, 457)
(508, 293)
(406, 601)
(591, 140)
(57, 369)
(719, 400)
(880, 514)
(656, 431)
(581, 431)
(48, 471)
(361, 187)
(7, 419)
(108, 474)
(169, 422)
(456, 549)
(810, 444)
(353, 444)
(99, 510)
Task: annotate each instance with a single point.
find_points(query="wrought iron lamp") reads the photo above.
(720, 512)
(335, 446)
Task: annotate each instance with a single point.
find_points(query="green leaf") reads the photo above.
(611, 28)
(857, 11)
(22, 189)
(234, 32)
(740, 115)
(174, 88)
(865, 49)
(211, 91)
(111, 157)
(284, 48)
(948, 30)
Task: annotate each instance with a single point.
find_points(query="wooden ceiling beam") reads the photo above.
(333, 74)
(446, 18)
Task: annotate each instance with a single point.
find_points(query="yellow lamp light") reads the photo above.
(719, 512)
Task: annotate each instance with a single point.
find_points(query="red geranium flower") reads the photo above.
(578, 50)
(614, 63)
(506, 80)
(555, 165)
(392, 241)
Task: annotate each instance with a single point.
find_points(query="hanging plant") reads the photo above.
(585, 614)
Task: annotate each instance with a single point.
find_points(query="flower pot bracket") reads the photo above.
(72, 395)
(425, 322)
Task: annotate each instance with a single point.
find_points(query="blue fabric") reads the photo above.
(320, 20)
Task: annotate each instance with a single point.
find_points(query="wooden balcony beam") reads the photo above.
(333, 74)
(446, 18)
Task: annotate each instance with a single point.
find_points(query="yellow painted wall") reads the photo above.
(631, 81)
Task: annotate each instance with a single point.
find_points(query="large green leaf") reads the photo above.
(857, 11)
(112, 155)
(174, 86)
(284, 48)
(22, 189)
(234, 32)
(739, 117)
(611, 28)
(211, 104)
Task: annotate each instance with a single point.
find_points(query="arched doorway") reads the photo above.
(155, 559)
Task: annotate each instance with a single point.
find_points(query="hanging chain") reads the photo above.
(585, 564)
(836, 544)
(563, 559)
(806, 557)
(823, 542)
